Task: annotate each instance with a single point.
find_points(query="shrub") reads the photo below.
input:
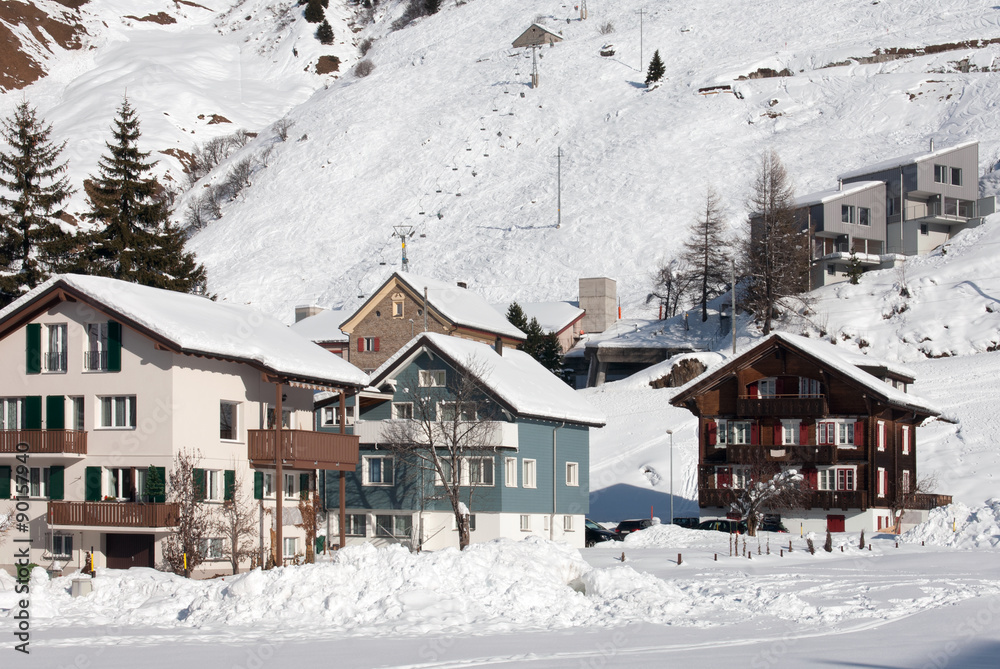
(281, 128)
(812, 548)
(828, 546)
(861, 544)
(366, 45)
(363, 68)
(606, 28)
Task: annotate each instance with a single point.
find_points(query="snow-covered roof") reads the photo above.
(460, 305)
(322, 327)
(197, 325)
(515, 379)
(552, 316)
(824, 196)
(833, 358)
(905, 160)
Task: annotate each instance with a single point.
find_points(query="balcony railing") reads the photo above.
(113, 514)
(926, 502)
(96, 361)
(44, 441)
(781, 405)
(55, 362)
(742, 454)
(811, 499)
(304, 449)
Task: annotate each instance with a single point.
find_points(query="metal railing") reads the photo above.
(96, 360)
(55, 362)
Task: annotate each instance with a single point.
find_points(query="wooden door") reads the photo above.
(835, 523)
(129, 550)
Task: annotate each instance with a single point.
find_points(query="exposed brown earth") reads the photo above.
(162, 18)
(18, 69)
(327, 64)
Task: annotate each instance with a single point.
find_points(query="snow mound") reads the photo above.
(960, 526)
(668, 536)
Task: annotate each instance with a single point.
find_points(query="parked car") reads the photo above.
(772, 525)
(723, 525)
(595, 534)
(629, 526)
(686, 522)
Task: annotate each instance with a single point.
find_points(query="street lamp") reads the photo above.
(671, 435)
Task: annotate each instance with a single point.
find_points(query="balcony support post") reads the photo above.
(279, 482)
(341, 512)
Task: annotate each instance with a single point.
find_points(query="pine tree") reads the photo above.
(324, 33)
(706, 255)
(854, 269)
(155, 485)
(32, 242)
(314, 11)
(516, 317)
(135, 240)
(533, 344)
(432, 6)
(550, 353)
(656, 69)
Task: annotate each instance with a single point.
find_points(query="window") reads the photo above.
(740, 432)
(831, 269)
(448, 472)
(808, 387)
(880, 436)
(268, 484)
(790, 432)
(55, 357)
(472, 523)
(397, 308)
(923, 229)
(864, 216)
(119, 482)
(525, 522)
(905, 482)
(402, 410)
(377, 469)
(572, 474)
(940, 174)
(213, 484)
(846, 433)
(741, 476)
(905, 439)
(956, 176)
(368, 344)
(845, 479)
(76, 414)
(290, 488)
(567, 523)
(291, 545)
(228, 424)
(118, 411)
(882, 482)
(393, 526)
(826, 479)
(766, 388)
(211, 549)
(528, 473)
(12, 413)
(480, 471)
(62, 545)
(826, 433)
(329, 416)
(510, 472)
(452, 411)
(286, 417)
(39, 482)
(847, 213)
(722, 433)
(96, 358)
(431, 378)
(356, 525)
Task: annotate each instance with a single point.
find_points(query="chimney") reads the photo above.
(306, 310)
(498, 346)
(597, 298)
(840, 184)
(462, 284)
(932, 144)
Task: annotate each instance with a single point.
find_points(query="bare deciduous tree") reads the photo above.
(904, 500)
(184, 549)
(761, 486)
(705, 253)
(237, 523)
(281, 128)
(671, 286)
(307, 509)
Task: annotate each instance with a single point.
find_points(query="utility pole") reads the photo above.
(641, 12)
(403, 231)
(534, 67)
(559, 188)
(583, 9)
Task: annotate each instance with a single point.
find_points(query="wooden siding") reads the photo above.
(784, 406)
(44, 441)
(113, 514)
(304, 449)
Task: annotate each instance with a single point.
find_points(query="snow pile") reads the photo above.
(960, 526)
(669, 536)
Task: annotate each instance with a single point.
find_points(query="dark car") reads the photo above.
(686, 522)
(595, 534)
(723, 525)
(772, 525)
(630, 526)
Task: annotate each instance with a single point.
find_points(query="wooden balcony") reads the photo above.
(304, 449)
(926, 502)
(68, 442)
(781, 406)
(113, 514)
(743, 454)
(835, 499)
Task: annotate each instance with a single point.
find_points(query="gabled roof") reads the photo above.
(515, 380)
(323, 327)
(825, 196)
(902, 161)
(193, 325)
(552, 316)
(536, 31)
(459, 306)
(846, 365)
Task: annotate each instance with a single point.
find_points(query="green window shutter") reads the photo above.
(4, 481)
(92, 483)
(55, 412)
(56, 482)
(161, 498)
(304, 486)
(114, 346)
(258, 485)
(33, 361)
(33, 412)
(199, 484)
(229, 481)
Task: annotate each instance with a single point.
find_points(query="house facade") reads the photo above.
(528, 474)
(845, 422)
(104, 383)
(407, 304)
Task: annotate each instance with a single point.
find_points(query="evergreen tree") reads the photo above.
(135, 240)
(432, 6)
(324, 33)
(516, 317)
(32, 242)
(533, 344)
(314, 11)
(656, 69)
(706, 255)
(550, 353)
(854, 269)
(155, 485)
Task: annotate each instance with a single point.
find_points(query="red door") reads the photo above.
(835, 523)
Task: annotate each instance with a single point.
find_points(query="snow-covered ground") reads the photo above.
(507, 603)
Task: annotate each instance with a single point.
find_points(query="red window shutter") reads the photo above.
(752, 388)
(724, 476)
(778, 434)
(803, 433)
(376, 344)
(711, 432)
(811, 476)
(859, 433)
(361, 344)
(755, 434)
